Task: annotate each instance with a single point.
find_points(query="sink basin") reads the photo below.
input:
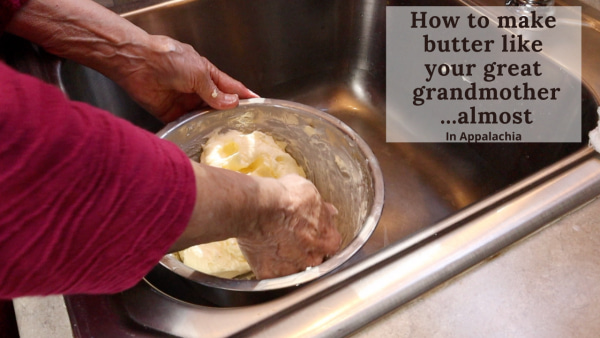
(331, 55)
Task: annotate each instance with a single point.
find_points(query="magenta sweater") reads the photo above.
(89, 203)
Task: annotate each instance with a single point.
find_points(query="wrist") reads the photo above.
(268, 207)
(229, 204)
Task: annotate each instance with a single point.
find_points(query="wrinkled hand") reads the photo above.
(174, 79)
(300, 235)
(165, 76)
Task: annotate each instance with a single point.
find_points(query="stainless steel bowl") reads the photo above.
(335, 159)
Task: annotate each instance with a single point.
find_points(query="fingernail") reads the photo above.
(229, 98)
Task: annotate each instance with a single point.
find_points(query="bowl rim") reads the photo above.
(373, 215)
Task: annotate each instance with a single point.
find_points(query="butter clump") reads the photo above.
(254, 154)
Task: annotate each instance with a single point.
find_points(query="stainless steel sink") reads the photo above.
(331, 55)
(447, 206)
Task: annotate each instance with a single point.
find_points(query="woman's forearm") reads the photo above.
(83, 31)
(228, 204)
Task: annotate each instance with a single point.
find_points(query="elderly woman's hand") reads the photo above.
(173, 79)
(165, 76)
(282, 225)
(299, 232)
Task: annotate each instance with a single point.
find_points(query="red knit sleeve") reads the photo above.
(89, 203)
(8, 9)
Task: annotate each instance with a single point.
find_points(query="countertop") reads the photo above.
(545, 285)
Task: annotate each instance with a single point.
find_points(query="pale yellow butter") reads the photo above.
(254, 154)
(223, 259)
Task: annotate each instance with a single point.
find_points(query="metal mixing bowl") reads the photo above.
(335, 159)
